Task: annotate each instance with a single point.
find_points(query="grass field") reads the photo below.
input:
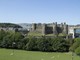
(6, 54)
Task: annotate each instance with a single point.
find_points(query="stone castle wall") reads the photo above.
(52, 28)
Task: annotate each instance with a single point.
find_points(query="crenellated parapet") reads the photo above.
(51, 28)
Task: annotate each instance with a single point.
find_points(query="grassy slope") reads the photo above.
(29, 55)
(38, 34)
(34, 34)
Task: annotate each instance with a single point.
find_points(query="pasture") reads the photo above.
(7, 54)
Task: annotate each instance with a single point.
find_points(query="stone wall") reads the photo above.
(52, 28)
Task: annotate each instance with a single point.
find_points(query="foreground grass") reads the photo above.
(6, 54)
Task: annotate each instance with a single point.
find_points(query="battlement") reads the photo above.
(51, 28)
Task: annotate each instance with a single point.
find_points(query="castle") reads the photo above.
(54, 28)
(45, 29)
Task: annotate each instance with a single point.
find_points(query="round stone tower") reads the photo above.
(33, 26)
(65, 28)
(43, 29)
(55, 28)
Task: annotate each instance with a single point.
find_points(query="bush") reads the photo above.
(77, 51)
(44, 44)
(31, 45)
(77, 39)
(57, 44)
(60, 45)
(75, 45)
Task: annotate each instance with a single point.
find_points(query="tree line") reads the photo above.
(15, 40)
(32, 43)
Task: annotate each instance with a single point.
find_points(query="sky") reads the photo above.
(40, 11)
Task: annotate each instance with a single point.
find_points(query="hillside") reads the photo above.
(10, 25)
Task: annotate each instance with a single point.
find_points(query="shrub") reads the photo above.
(77, 51)
(31, 45)
(75, 45)
(60, 45)
(43, 43)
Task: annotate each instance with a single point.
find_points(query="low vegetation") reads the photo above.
(7, 40)
(8, 54)
(15, 40)
(76, 46)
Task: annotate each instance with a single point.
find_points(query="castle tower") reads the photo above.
(55, 28)
(61, 25)
(65, 28)
(43, 29)
(33, 26)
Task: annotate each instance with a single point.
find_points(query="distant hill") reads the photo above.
(10, 25)
(25, 25)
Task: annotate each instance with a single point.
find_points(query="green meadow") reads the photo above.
(7, 54)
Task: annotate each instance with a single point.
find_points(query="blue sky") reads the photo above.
(40, 11)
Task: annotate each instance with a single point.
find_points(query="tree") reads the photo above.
(31, 45)
(60, 45)
(43, 44)
(2, 35)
